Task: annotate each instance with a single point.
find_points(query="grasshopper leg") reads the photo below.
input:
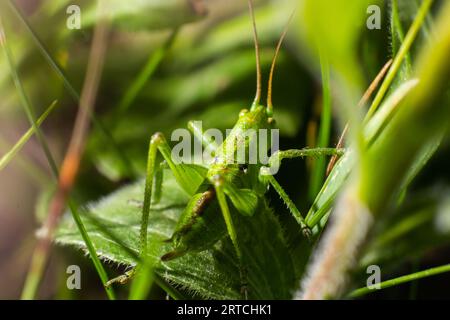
(221, 197)
(275, 159)
(156, 197)
(266, 174)
(290, 204)
(122, 279)
(188, 178)
(158, 181)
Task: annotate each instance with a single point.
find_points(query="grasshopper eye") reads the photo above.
(243, 168)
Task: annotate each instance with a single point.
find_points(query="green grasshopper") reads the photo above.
(215, 186)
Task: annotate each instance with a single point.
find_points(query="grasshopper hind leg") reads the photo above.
(198, 227)
(171, 255)
(244, 281)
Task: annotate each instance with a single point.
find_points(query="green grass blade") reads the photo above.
(398, 35)
(149, 69)
(30, 169)
(142, 282)
(402, 53)
(92, 252)
(45, 53)
(39, 257)
(318, 173)
(9, 155)
(340, 172)
(29, 110)
(403, 279)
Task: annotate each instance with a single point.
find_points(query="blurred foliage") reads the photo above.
(208, 74)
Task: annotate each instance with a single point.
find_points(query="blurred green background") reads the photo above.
(206, 71)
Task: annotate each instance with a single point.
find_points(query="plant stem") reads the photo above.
(403, 279)
(90, 246)
(171, 291)
(142, 281)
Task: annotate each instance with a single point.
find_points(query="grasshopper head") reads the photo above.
(257, 117)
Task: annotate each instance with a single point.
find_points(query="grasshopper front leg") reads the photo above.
(289, 203)
(188, 177)
(266, 175)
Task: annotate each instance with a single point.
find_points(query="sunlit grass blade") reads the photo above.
(29, 168)
(318, 211)
(319, 167)
(402, 53)
(340, 172)
(403, 279)
(91, 248)
(9, 155)
(364, 100)
(398, 35)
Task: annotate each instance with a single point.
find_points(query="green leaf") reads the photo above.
(212, 273)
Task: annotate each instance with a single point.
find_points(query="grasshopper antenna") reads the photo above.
(272, 68)
(258, 64)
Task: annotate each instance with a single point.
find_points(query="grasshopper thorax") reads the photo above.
(242, 146)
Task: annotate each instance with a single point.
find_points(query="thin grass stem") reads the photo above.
(319, 168)
(42, 250)
(11, 153)
(400, 280)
